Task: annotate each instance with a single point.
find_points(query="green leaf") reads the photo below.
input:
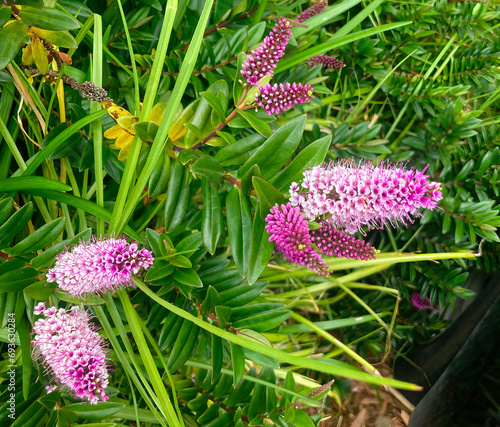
(263, 322)
(184, 345)
(16, 281)
(11, 39)
(173, 192)
(5, 13)
(239, 152)
(211, 223)
(15, 223)
(48, 19)
(278, 149)
(188, 277)
(31, 183)
(41, 238)
(209, 168)
(239, 228)
(159, 270)
(40, 290)
(215, 104)
(6, 206)
(94, 412)
(217, 356)
(268, 195)
(312, 155)
(158, 180)
(89, 300)
(261, 249)
(259, 125)
(238, 360)
(45, 258)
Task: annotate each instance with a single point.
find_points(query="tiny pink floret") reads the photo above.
(98, 266)
(72, 350)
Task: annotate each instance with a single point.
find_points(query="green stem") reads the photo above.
(97, 124)
(282, 356)
(333, 340)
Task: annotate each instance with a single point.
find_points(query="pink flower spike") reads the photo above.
(334, 242)
(290, 232)
(326, 61)
(97, 266)
(73, 352)
(314, 10)
(283, 97)
(263, 60)
(350, 196)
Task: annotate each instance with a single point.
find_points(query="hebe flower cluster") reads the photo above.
(263, 60)
(72, 350)
(421, 303)
(276, 98)
(350, 196)
(98, 266)
(314, 10)
(326, 61)
(290, 231)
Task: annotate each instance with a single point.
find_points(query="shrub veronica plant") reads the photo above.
(218, 186)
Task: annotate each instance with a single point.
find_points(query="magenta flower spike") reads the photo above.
(290, 232)
(314, 10)
(349, 196)
(98, 266)
(333, 242)
(421, 303)
(276, 98)
(72, 351)
(326, 61)
(263, 60)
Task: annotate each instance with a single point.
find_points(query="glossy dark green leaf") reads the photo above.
(158, 179)
(6, 206)
(16, 281)
(11, 39)
(209, 168)
(31, 183)
(186, 340)
(190, 244)
(312, 155)
(15, 223)
(215, 104)
(238, 361)
(94, 412)
(261, 250)
(159, 270)
(268, 195)
(239, 227)
(173, 192)
(259, 125)
(41, 238)
(217, 356)
(48, 19)
(188, 277)
(239, 152)
(5, 13)
(211, 223)
(40, 290)
(89, 300)
(262, 322)
(277, 150)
